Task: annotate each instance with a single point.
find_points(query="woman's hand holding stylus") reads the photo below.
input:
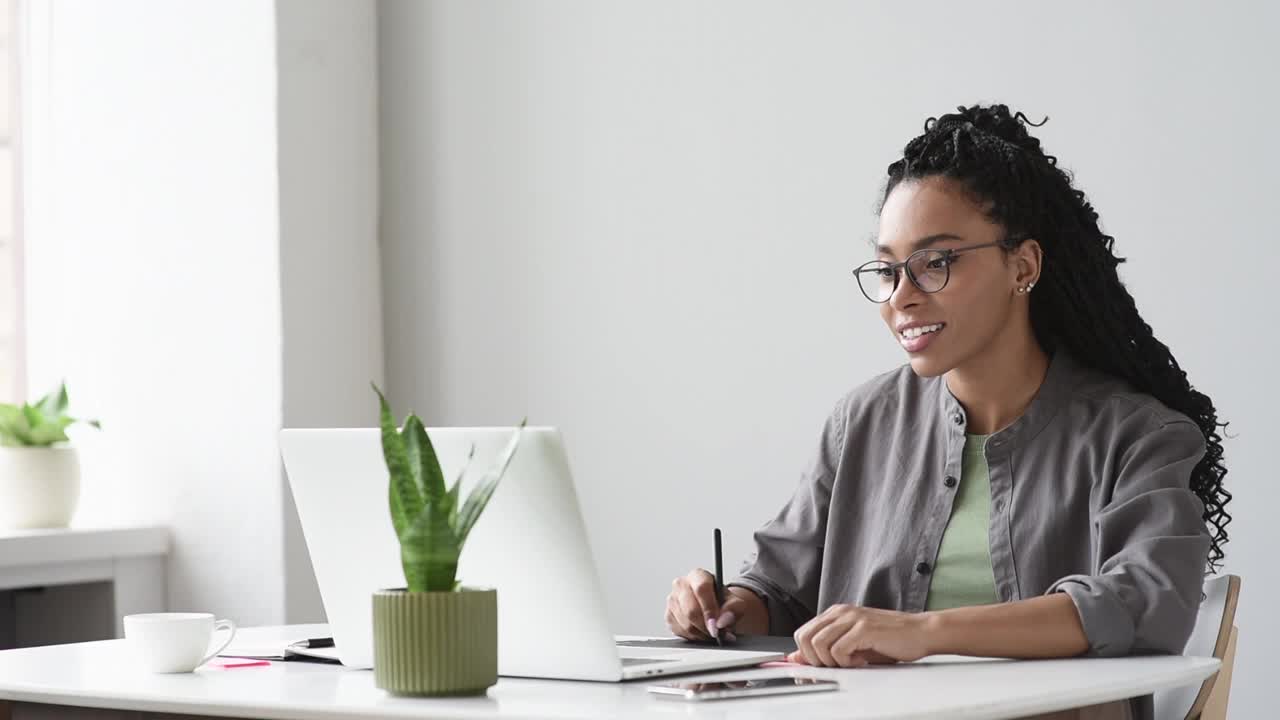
(694, 614)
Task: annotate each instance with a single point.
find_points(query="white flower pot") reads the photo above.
(39, 487)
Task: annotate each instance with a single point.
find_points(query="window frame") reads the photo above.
(16, 348)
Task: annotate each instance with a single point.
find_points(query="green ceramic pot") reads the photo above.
(435, 643)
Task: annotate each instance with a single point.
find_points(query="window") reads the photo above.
(12, 354)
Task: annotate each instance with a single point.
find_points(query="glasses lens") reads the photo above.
(929, 267)
(876, 280)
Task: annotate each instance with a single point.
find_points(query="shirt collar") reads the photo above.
(1052, 394)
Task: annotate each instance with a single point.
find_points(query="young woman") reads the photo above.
(1040, 480)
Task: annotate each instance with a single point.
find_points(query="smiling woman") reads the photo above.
(983, 309)
(1039, 480)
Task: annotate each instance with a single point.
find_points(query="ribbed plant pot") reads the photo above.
(435, 643)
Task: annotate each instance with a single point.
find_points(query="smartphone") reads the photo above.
(722, 690)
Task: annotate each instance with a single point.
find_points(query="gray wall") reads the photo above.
(329, 280)
(636, 221)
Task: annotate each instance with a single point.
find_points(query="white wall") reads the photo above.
(153, 277)
(330, 289)
(636, 221)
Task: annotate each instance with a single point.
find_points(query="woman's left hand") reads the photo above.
(851, 636)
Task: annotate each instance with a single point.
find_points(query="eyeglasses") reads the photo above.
(928, 269)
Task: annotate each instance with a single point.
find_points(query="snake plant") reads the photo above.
(430, 522)
(40, 425)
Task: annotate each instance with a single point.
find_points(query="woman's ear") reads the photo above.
(1028, 260)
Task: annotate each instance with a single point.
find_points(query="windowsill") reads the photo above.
(73, 545)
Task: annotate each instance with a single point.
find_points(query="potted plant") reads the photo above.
(434, 636)
(39, 472)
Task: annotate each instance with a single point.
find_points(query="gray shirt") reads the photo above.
(1089, 496)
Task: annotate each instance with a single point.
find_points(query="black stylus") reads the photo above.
(719, 586)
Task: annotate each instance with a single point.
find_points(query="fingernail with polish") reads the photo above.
(711, 625)
(726, 619)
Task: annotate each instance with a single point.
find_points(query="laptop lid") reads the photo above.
(530, 543)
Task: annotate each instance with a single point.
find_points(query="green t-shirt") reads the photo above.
(962, 574)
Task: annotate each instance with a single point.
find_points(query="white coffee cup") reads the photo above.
(174, 642)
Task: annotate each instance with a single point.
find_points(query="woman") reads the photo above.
(1040, 480)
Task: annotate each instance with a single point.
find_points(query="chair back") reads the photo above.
(1209, 638)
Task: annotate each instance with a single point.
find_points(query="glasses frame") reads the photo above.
(948, 254)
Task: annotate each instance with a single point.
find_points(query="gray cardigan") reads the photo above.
(1089, 496)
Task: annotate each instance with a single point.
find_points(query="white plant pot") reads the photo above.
(39, 487)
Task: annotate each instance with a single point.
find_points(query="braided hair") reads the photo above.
(1080, 304)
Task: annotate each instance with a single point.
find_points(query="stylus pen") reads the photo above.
(719, 586)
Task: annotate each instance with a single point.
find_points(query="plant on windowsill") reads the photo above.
(433, 637)
(39, 470)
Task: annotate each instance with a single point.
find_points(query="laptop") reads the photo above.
(529, 543)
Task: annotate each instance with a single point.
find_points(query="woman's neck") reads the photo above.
(998, 385)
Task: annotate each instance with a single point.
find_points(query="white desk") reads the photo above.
(131, 559)
(101, 675)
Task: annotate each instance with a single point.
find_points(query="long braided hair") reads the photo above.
(1080, 303)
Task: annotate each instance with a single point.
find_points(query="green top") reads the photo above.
(962, 574)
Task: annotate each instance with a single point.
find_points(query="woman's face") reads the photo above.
(979, 306)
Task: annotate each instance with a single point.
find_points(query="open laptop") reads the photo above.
(530, 543)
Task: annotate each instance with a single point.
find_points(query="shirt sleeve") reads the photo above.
(1151, 544)
(786, 566)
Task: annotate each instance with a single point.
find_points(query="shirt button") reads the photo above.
(950, 481)
(999, 505)
(923, 568)
(1006, 594)
(958, 418)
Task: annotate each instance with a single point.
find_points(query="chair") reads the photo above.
(1214, 635)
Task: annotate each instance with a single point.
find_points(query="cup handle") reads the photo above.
(231, 635)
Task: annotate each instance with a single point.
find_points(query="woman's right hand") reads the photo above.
(694, 614)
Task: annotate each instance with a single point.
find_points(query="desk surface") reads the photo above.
(102, 675)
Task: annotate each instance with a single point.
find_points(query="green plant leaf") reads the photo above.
(488, 484)
(55, 403)
(39, 425)
(451, 497)
(413, 453)
(18, 432)
(422, 459)
(22, 429)
(11, 420)
(406, 500)
(50, 431)
(429, 551)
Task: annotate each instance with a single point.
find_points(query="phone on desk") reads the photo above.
(725, 689)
